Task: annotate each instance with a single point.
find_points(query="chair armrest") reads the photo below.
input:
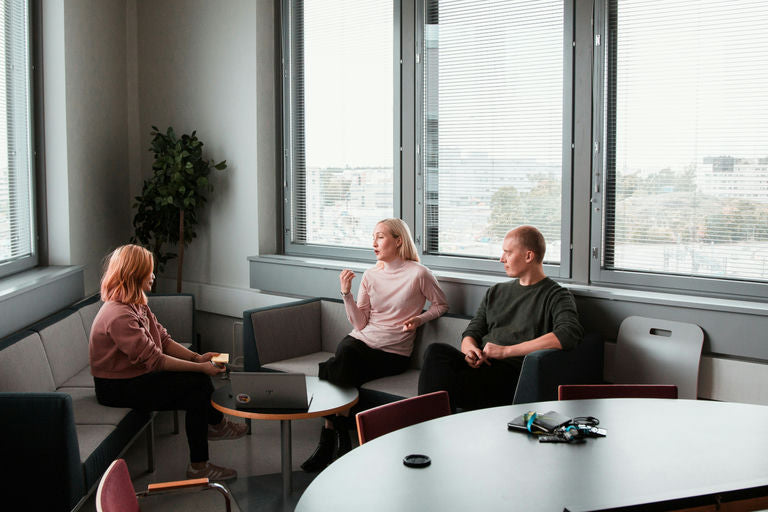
(39, 439)
(177, 484)
(201, 484)
(544, 370)
(279, 332)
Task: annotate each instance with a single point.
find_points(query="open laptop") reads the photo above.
(269, 390)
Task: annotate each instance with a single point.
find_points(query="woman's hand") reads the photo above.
(210, 368)
(345, 278)
(200, 358)
(412, 324)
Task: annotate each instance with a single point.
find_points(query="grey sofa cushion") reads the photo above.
(66, 346)
(25, 366)
(302, 364)
(89, 412)
(176, 314)
(287, 332)
(89, 437)
(446, 329)
(405, 384)
(82, 379)
(333, 324)
(87, 314)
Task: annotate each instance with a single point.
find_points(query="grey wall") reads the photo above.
(84, 61)
(208, 66)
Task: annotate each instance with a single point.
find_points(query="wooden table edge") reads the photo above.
(284, 416)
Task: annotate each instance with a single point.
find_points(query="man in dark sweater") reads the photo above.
(515, 318)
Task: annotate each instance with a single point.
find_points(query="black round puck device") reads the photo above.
(417, 461)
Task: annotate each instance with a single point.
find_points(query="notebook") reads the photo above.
(269, 390)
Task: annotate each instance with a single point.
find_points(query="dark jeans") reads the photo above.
(468, 388)
(168, 391)
(355, 363)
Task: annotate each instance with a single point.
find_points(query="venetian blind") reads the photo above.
(16, 218)
(492, 123)
(342, 121)
(687, 138)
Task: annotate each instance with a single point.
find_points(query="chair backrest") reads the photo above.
(403, 413)
(653, 351)
(587, 391)
(115, 492)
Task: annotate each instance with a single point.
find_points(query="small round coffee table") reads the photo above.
(326, 399)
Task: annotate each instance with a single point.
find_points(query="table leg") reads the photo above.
(286, 459)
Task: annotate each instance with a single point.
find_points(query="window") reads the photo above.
(685, 118)
(339, 122)
(17, 234)
(495, 126)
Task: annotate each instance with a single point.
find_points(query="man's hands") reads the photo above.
(475, 357)
(472, 353)
(494, 351)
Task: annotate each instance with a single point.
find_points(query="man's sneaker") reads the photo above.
(212, 472)
(226, 430)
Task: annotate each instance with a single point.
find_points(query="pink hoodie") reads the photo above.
(126, 341)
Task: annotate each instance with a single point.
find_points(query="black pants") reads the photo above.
(355, 363)
(168, 391)
(468, 388)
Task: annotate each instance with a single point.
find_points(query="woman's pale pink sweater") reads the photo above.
(387, 298)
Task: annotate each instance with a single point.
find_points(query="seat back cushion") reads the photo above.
(446, 329)
(286, 332)
(176, 314)
(65, 344)
(333, 324)
(24, 365)
(88, 314)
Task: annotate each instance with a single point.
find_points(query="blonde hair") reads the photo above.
(127, 269)
(399, 230)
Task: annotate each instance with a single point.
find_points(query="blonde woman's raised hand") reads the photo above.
(345, 279)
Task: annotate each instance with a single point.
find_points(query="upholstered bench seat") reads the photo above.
(296, 336)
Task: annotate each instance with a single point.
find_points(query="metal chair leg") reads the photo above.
(151, 445)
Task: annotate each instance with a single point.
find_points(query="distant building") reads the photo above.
(729, 177)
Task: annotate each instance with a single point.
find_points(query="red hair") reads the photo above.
(128, 268)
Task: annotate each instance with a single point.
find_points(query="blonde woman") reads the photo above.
(135, 363)
(388, 310)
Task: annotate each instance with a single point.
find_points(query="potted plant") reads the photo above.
(170, 200)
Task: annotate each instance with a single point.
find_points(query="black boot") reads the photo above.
(323, 454)
(343, 443)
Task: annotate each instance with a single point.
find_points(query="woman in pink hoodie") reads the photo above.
(135, 363)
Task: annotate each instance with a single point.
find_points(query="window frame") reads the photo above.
(20, 264)
(488, 265)
(643, 280)
(292, 113)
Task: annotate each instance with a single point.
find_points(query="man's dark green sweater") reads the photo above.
(511, 313)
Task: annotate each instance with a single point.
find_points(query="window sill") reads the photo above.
(579, 290)
(31, 295)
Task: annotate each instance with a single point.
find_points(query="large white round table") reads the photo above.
(655, 451)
